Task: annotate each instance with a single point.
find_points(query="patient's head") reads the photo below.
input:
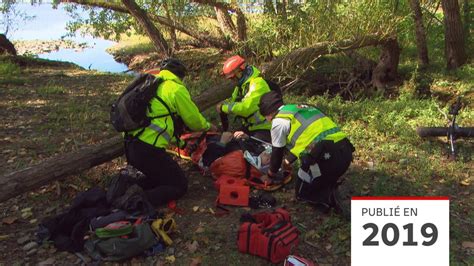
(265, 158)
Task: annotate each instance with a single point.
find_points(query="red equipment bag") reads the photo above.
(272, 236)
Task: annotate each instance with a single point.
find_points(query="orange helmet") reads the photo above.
(153, 71)
(232, 64)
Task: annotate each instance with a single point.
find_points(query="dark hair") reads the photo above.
(270, 102)
(174, 65)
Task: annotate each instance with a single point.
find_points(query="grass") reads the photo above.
(8, 68)
(391, 159)
(59, 111)
(50, 90)
(9, 73)
(129, 45)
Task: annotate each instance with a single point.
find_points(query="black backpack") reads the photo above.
(128, 112)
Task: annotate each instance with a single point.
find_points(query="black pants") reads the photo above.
(165, 180)
(333, 160)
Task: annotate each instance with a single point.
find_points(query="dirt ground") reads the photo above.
(53, 109)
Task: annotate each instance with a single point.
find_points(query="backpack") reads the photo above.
(269, 235)
(128, 112)
(115, 229)
(117, 248)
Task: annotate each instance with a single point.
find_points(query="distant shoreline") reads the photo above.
(35, 47)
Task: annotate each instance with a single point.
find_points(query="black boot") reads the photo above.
(118, 185)
(337, 204)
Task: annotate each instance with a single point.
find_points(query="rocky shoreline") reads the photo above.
(34, 47)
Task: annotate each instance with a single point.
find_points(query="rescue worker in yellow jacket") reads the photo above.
(324, 151)
(145, 147)
(245, 98)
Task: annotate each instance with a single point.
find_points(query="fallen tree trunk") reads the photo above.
(64, 165)
(303, 57)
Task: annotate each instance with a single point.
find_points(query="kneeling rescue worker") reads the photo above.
(145, 147)
(323, 149)
(245, 98)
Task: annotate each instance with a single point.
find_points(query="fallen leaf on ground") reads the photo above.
(193, 246)
(342, 236)
(196, 208)
(468, 244)
(3, 237)
(9, 220)
(212, 211)
(311, 244)
(312, 234)
(365, 190)
(170, 259)
(328, 247)
(204, 240)
(466, 182)
(196, 261)
(26, 215)
(199, 230)
(26, 209)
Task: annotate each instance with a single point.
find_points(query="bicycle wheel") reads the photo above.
(466, 132)
(460, 132)
(432, 131)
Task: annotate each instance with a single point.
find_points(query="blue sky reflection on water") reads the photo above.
(50, 24)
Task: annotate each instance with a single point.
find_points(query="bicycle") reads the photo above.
(452, 132)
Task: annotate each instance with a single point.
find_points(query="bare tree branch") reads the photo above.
(200, 36)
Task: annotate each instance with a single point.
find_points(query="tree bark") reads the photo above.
(61, 166)
(455, 51)
(6, 47)
(268, 7)
(420, 33)
(239, 33)
(172, 29)
(386, 70)
(225, 22)
(281, 7)
(18, 182)
(200, 36)
(467, 18)
(155, 35)
(241, 25)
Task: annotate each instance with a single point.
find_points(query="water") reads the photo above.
(50, 24)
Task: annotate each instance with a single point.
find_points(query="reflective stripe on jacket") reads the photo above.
(245, 99)
(308, 126)
(173, 92)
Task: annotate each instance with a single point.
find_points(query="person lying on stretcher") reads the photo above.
(231, 154)
(259, 157)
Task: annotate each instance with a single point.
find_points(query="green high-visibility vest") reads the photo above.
(172, 91)
(308, 127)
(245, 99)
